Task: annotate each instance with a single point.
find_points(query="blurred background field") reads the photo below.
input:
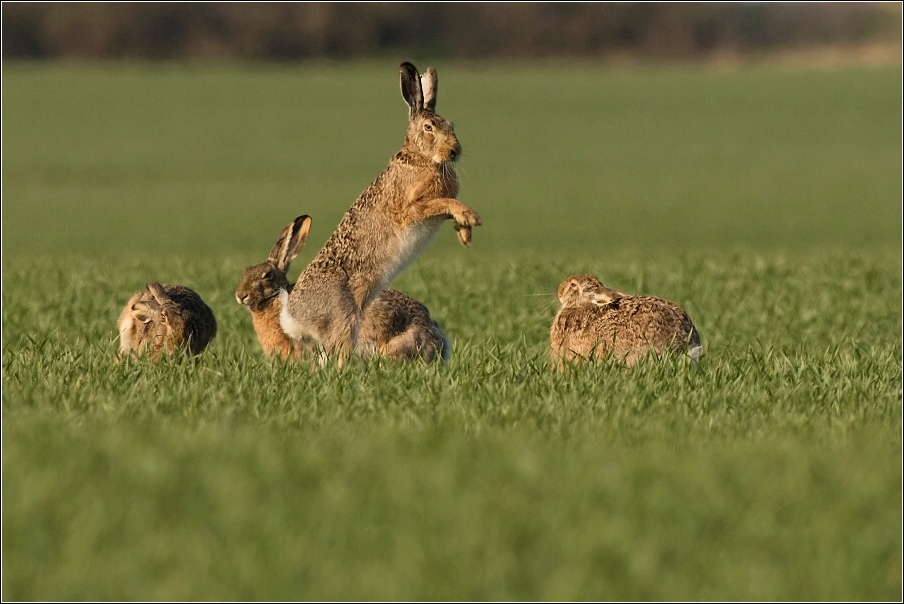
(569, 157)
(762, 194)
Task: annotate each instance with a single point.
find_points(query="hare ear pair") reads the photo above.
(419, 91)
(290, 242)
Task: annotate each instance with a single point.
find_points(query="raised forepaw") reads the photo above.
(464, 220)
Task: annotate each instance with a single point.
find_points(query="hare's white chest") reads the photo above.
(287, 322)
(410, 243)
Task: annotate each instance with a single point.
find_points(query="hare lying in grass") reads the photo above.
(164, 319)
(392, 325)
(389, 225)
(597, 321)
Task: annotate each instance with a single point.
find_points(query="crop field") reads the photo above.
(766, 201)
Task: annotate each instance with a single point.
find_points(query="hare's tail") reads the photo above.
(694, 349)
(695, 352)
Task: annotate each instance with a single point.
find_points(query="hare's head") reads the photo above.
(263, 282)
(173, 317)
(585, 289)
(141, 324)
(428, 134)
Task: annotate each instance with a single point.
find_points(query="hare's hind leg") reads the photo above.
(340, 338)
(324, 309)
(408, 346)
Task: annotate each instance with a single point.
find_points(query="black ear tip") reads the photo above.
(408, 70)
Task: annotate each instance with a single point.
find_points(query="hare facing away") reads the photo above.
(392, 325)
(164, 319)
(597, 321)
(388, 226)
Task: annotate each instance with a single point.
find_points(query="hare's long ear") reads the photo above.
(157, 291)
(411, 88)
(142, 311)
(290, 242)
(429, 86)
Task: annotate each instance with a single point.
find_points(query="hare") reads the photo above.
(392, 325)
(391, 222)
(164, 318)
(595, 320)
(399, 327)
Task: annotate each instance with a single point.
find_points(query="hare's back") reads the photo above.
(646, 319)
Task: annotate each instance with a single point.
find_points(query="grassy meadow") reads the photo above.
(764, 200)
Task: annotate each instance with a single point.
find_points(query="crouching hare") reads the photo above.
(387, 227)
(392, 325)
(597, 321)
(165, 319)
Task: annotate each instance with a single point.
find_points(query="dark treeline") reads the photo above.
(455, 30)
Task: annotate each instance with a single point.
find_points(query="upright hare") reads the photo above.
(165, 318)
(597, 321)
(390, 223)
(392, 325)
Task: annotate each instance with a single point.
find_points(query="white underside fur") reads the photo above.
(289, 325)
(411, 243)
(695, 353)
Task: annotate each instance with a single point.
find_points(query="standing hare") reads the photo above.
(392, 325)
(165, 318)
(390, 223)
(597, 321)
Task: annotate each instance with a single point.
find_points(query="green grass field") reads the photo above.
(765, 201)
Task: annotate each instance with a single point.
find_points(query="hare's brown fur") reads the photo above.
(272, 338)
(389, 224)
(399, 327)
(597, 321)
(392, 325)
(163, 319)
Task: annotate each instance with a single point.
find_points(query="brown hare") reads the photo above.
(597, 321)
(397, 326)
(164, 319)
(387, 227)
(392, 325)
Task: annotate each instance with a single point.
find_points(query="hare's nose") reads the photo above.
(241, 300)
(455, 152)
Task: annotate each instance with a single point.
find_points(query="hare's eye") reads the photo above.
(428, 127)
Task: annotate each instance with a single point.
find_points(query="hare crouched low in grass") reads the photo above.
(597, 321)
(399, 327)
(164, 319)
(392, 325)
(386, 228)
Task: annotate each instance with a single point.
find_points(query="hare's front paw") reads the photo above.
(464, 234)
(464, 220)
(466, 217)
